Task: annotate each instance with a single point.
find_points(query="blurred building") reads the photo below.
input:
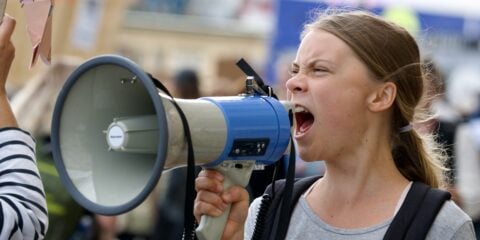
(161, 36)
(68, 17)
(165, 36)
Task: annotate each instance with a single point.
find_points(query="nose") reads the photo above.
(296, 84)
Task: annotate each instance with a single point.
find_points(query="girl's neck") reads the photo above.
(370, 189)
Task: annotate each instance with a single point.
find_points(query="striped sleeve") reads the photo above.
(22, 198)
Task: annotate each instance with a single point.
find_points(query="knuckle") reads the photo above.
(198, 184)
(200, 195)
(203, 208)
(212, 174)
(209, 198)
(206, 184)
(202, 173)
(201, 185)
(197, 208)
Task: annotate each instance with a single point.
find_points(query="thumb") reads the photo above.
(239, 199)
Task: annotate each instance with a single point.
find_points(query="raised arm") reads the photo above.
(7, 53)
(22, 199)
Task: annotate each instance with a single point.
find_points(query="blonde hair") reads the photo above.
(392, 54)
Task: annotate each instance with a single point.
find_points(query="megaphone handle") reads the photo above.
(236, 173)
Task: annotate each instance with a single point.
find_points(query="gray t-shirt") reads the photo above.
(451, 223)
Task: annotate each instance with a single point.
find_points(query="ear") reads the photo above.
(382, 97)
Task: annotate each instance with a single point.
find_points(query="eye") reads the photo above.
(319, 70)
(293, 71)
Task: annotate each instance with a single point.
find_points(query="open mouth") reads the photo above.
(304, 119)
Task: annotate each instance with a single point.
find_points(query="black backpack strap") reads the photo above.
(433, 202)
(270, 222)
(417, 213)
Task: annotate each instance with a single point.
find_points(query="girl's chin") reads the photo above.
(309, 159)
(308, 154)
(305, 156)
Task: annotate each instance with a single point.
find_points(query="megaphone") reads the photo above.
(114, 132)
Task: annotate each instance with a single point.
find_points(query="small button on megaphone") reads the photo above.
(114, 132)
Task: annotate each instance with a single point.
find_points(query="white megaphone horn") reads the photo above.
(114, 132)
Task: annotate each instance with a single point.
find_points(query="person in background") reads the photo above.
(356, 84)
(186, 84)
(22, 197)
(465, 83)
(444, 122)
(467, 149)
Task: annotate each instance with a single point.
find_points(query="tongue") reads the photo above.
(306, 125)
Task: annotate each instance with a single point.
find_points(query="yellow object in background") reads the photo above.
(404, 17)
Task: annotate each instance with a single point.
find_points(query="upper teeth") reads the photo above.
(300, 109)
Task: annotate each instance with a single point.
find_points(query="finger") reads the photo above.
(211, 174)
(6, 28)
(211, 198)
(205, 209)
(209, 204)
(239, 211)
(208, 184)
(235, 194)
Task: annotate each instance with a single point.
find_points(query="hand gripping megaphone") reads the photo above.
(114, 132)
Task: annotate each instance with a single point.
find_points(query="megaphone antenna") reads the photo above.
(248, 70)
(254, 83)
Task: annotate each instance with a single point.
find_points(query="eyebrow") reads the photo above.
(313, 61)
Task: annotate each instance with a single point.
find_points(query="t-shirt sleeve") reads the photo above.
(468, 170)
(451, 223)
(22, 197)
(465, 231)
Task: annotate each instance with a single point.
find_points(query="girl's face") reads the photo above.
(330, 87)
